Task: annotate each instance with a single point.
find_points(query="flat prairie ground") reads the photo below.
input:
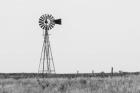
(125, 84)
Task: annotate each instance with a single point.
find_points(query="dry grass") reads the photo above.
(130, 84)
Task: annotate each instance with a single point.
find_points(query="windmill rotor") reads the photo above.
(47, 21)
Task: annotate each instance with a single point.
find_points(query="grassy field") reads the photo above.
(127, 84)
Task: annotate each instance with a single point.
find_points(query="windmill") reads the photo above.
(46, 65)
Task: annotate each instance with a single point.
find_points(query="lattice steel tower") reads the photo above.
(46, 65)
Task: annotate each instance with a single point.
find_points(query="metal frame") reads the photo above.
(46, 60)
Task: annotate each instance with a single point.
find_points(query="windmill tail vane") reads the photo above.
(57, 21)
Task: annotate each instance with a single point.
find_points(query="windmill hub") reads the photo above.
(46, 22)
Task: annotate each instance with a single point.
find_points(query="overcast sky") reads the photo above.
(94, 35)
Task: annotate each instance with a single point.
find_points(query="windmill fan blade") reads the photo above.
(57, 21)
